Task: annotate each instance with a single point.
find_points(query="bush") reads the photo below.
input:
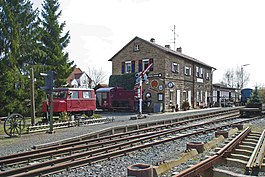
(185, 105)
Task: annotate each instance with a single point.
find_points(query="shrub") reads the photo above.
(185, 105)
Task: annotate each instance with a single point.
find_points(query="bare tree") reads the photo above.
(238, 78)
(97, 75)
(242, 77)
(228, 78)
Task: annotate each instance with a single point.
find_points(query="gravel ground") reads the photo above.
(116, 167)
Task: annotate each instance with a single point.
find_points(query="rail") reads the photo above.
(209, 162)
(256, 159)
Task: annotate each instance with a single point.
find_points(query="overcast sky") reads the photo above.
(224, 34)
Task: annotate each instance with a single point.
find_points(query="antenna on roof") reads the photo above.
(174, 32)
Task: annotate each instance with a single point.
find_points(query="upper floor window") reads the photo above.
(207, 76)
(187, 71)
(143, 64)
(175, 67)
(201, 72)
(136, 48)
(197, 71)
(128, 67)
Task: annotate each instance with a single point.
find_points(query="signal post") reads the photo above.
(49, 77)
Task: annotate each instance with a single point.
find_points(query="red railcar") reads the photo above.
(116, 98)
(73, 101)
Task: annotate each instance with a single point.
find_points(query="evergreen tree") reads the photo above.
(18, 49)
(55, 43)
(255, 98)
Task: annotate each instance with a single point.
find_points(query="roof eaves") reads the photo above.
(123, 48)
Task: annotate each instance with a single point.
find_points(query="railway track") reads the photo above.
(246, 151)
(55, 158)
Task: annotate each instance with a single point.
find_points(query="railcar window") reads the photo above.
(61, 94)
(104, 95)
(74, 94)
(87, 94)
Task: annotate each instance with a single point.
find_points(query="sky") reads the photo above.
(224, 34)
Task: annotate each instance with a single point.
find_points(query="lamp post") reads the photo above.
(242, 72)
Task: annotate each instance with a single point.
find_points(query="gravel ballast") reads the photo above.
(117, 166)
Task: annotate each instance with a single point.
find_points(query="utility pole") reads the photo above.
(242, 73)
(32, 97)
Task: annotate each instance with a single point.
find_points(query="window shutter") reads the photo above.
(190, 71)
(140, 66)
(172, 67)
(133, 66)
(151, 61)
(178, 68)
(122, 67)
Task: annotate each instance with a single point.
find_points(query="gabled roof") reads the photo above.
(164, 49)
(78, 75)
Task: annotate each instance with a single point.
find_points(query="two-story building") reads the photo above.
(174, 78)
(79, 79)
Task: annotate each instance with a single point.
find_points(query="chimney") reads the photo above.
(152, 40)
(167, 46)
(179, 49)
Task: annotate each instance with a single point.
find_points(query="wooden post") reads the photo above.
(32, 97)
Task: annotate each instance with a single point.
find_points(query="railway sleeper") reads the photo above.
(236, 162)
(243, 152)
(240, 157)
(246, 147)
(249, 143)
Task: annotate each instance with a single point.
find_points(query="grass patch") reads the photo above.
(96, 116)
(6, 141)
(2, 132)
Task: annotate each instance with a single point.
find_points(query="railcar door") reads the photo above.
(74, 101)
(88, 100)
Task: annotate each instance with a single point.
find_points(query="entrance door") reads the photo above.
(178, 98)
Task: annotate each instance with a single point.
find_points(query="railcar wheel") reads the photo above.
(14, 124)
(89, 113)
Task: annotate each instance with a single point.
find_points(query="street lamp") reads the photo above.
(242, 72)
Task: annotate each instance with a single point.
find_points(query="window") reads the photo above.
(86, 94)
(160, 96)
(170, 96)
(145, 63)
(187, 71)
(197, 71)
(128, 67)
(207, 76)
(74, 94)
(201, 72)
(59, 94)
(136, 47)
(175, 67)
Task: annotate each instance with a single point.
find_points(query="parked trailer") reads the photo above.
(73, 101)
(252, 110)
(116, 98)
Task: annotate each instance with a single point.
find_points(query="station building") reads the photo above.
(175, 78)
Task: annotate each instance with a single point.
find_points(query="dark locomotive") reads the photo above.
(116, 98)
